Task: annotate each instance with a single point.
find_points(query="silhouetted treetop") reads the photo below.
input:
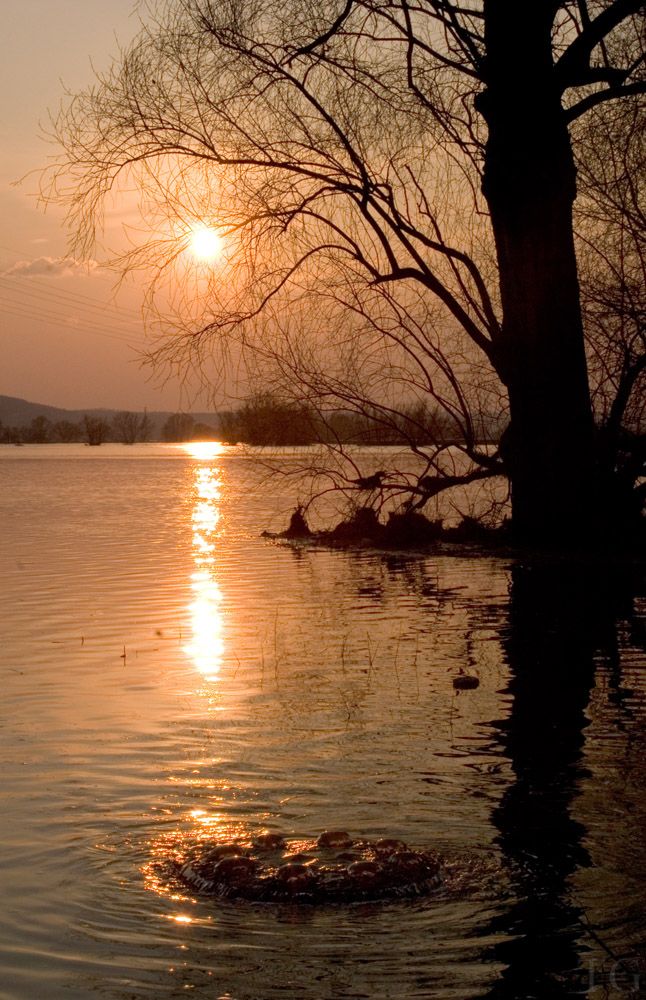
(395, 185)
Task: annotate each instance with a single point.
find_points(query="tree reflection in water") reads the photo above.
(560, 616)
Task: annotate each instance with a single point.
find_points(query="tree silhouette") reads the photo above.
(394, 184)
(39, 430)
(128, 428)
(178, 427)
(95, 430)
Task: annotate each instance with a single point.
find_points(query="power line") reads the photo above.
(54, 298)
(119, 313)
(56, 320)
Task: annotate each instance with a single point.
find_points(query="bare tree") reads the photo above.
(128, 428)
(95, 429)
(66, 431)
(178, 427)
(394, 184)
(39, 430)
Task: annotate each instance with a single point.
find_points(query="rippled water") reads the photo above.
(169, 676)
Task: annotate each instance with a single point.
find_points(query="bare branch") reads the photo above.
(601, 97)
(327, 35)
(574, 64)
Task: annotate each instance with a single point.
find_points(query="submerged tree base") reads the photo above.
(407, 530)
(411, 530)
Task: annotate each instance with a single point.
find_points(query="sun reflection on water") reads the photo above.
(206, 650)
(207, 645)
(204, 450)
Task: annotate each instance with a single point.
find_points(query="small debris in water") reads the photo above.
(465, 682)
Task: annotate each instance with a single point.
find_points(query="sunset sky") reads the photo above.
(66, 337)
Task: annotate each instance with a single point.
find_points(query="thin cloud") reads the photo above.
(52, 267)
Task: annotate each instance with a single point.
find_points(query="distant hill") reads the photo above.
(16, 412)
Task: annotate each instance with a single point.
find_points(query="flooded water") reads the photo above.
(169, 677)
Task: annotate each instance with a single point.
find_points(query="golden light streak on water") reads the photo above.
(207, 645)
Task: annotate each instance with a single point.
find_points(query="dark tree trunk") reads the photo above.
(529, 185)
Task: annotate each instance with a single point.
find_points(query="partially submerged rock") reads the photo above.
(333, 869)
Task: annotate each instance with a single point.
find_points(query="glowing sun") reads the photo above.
(205, 244)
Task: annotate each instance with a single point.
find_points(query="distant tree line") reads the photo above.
(263, 420)
(126, 428)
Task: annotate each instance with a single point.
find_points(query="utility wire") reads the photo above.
(55, 320)
(34, 299)
(45, 284)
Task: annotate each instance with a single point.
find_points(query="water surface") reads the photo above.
(169, 676)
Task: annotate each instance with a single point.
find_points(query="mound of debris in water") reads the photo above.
(333, 869)
(402, 530)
